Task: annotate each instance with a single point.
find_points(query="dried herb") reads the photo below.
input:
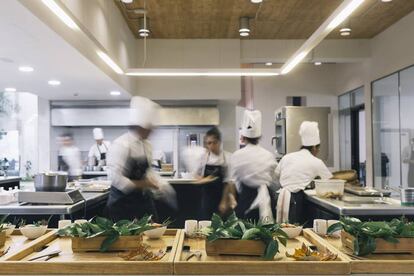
(304, 253)
(234, 228)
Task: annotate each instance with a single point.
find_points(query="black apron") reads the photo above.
(245, 198)
(410, 178)
(212, 192)
(135, 204)
(102, 154)
(297, 212)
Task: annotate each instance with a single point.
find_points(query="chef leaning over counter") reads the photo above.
(99, 150)
(296, 171)
(133, 182)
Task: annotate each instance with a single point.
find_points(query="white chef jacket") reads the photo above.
(255, 167)
(296, 170)
(72, 157)
(96, 150)
(130, 145)
(223, 159)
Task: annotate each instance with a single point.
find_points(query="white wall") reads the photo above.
(317, 84)
(43, 134)
(391, 50)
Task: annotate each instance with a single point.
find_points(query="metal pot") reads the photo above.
(51, 182)
(407, 196)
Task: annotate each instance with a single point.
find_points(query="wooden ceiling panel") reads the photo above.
(273, 19)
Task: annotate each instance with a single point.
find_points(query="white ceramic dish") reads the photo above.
(9, 228)
(32, 232)
(156, 233)
(292, 232)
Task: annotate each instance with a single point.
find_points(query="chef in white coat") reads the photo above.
(296, 171)
(99, 150)
(133, 182)
(253, 172)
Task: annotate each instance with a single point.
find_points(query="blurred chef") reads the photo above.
(296, 171)
(134, 183)
(69, 157)
(98, 151)
(214, 164)
(253, 170)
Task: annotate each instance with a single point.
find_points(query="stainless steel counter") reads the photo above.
(9, 179)
(352, 205)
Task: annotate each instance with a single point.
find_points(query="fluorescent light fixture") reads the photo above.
(110, 62)
(268, 64)
(10, 89)
(152, 72)
(317, 63)
(115, 93)
(353, 5)
(26, 69)
(292, 63)
(59, 12)
(54, 82)
(256, 1)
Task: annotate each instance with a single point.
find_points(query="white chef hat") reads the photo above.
(252, 124)
(143, 112)
(98, 133)
(309, 133)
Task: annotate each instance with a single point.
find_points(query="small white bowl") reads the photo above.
(32, 232)
(292, 232)
(9, 228)
(155, 233)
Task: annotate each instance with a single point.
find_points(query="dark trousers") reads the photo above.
(297, 212)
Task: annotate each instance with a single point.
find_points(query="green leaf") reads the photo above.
(271, 249)
(251, 234)
(216, 221)
(103, 222)
(335, 227)
(106, 244)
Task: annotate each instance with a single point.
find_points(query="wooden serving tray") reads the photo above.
(124, 243)
(235, 247)
(405, 245)
(383, 263)
(255, 265)
(17, 242)
(90, 263)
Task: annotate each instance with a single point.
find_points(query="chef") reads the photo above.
(69, 157)
(296, 171)
(214, 164)
(133, 182)
(98, 151)
(253, 170)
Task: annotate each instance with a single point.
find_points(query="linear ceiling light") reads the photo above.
(110, 62)
(59, 12)
(202, 72)
(346, 11)
(336, 18)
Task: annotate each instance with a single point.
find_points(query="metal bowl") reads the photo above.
(51, 182)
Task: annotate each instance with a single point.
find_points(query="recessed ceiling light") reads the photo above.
(386, 1)
(345, 31)
(54, 82)
(26, 69)
(127, 1)
(10, 89)
(317, 63)
(256, 1)
(115, 93)
(268, 64)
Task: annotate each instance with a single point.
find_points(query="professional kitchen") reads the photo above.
(206, 137)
